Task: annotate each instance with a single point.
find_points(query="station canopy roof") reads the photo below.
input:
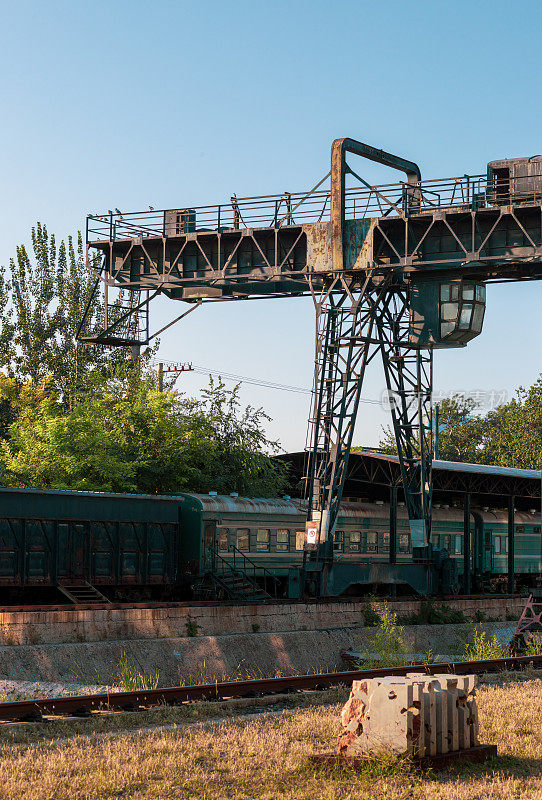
(370, 474)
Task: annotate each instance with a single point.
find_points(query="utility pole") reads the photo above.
(171, 369)
(160, 377)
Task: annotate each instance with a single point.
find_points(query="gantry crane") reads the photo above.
(395, 271)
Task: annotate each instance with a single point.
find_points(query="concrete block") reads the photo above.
(417, 714)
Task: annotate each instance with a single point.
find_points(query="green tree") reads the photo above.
(510, 435)
(122, 434)
(461, 431)
(43, 297)
(513, 430)
(240, 456)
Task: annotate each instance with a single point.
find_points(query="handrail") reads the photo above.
(262, 571)
(360, 202)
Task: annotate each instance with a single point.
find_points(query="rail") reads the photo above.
(253, 571)
(468, 193)
(83, 705)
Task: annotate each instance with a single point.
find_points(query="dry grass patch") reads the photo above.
(267, 758)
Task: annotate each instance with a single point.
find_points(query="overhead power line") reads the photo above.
(283, 387)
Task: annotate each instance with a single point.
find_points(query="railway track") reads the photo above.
(84, 705)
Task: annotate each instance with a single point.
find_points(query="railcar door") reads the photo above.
(488, 550)
(71, 550)
(209, 544)
(78, 550)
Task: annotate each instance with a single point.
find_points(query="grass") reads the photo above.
(131, 678)
(267, 758)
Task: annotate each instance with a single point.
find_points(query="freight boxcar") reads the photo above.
(78, 540)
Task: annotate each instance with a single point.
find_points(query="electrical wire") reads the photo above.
(254, 381)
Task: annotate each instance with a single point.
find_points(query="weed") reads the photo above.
(7, 635)
(386, 646)
(509, 617)
(483, 648)
(429, 657)
(371, 616)
(32, 635)
(534, 646)
(131, 678)
(431, 613)
(192, 627)
(255, 628)
(373, 766)
(479, 616)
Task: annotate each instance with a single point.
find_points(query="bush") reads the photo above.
(483, 648)
(534, 646)
(431, 613)
(386, 646)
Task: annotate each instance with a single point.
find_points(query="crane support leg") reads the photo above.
(409, 379)
(346, 341)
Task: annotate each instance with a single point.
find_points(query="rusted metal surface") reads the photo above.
(359, 252)
(530, 623)
(339, 169)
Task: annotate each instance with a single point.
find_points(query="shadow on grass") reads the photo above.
(367, 767)
(374, 768)
(507, 765)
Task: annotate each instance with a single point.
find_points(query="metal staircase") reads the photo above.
(239, 578)
(82, 593)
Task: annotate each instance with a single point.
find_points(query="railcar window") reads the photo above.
(283, 540)
(355, 541)
(371, 541)
(209, 531)
(497, 545)
(299, 540)
(223, 539)
(243, 538)
(262, 539)
(489, 536)
(404, 544)
(385, 542)
(520, 529)
(448, 543)
(536, 528)
(458, 543)
(338, 541)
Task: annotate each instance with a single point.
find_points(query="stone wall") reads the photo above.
(176, 620)
(213, 657)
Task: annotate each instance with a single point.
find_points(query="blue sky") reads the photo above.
(173, 104)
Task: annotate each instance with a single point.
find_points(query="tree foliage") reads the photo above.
(43, 299)
(80, 418)
(509, 435)
(136, 439)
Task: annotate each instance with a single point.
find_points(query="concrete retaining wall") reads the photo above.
(90, 625)
(215, 656)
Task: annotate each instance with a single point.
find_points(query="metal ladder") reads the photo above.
(82, 593)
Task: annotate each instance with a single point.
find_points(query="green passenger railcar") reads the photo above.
(265, 537)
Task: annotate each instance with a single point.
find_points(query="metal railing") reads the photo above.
(242, 564)
(468, 192)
